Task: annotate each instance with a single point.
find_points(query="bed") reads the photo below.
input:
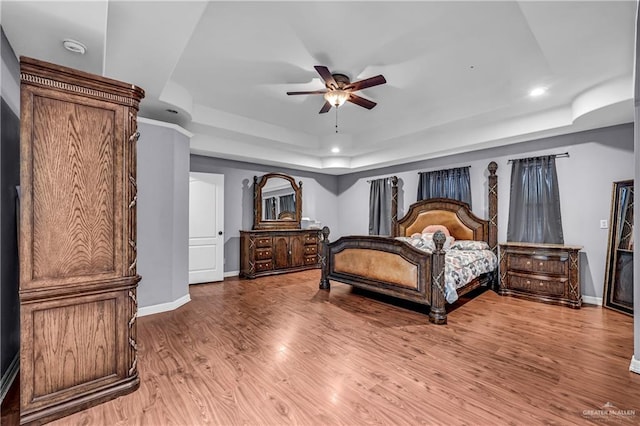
(395, 267)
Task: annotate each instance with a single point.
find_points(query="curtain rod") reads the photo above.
(461, 167)
(388, 177)
(564, 154)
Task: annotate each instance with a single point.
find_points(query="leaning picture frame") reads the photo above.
(618, 283)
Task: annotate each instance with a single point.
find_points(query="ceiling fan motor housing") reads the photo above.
(341, 80)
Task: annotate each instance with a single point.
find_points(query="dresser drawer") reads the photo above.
(263, 242)
(264, 265)
(310, 260)
(311, 239)
(310, 250)
(264, 253)
(538, 285)
(557, 265)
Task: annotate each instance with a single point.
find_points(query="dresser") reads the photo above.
(543, 272)
(268, 252)
(78, 278)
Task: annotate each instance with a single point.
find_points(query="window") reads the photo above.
(449, 183)
(380, 207)
(534, 202)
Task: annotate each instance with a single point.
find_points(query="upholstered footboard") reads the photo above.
(387, 266)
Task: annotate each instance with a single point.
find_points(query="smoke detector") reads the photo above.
(74, 46)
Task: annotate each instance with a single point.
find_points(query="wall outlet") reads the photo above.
(603, 224)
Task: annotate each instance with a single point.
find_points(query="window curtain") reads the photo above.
(287, 203)
(380, 207)
(270, 208)
(534, 204)
(449, 183)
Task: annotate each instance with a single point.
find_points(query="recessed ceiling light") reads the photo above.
(538, 91)
(74, 46)
(335, 150)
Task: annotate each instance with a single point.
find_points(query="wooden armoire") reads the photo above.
(77, 240)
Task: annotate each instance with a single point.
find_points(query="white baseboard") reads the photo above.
(592, 300)
(231, 274)
(9, 376)
(164, 307)
(635, 365)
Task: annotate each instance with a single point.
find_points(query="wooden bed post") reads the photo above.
(493, 207)
(324, 263)
(438, 314)
(394, 206)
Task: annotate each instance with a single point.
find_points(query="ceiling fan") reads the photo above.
(340, 89)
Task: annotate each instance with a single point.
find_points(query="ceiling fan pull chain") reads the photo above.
(336, 119)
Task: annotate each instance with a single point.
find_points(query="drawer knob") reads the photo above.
(528, 262)
(541, 283)
(540, 264)
(528, 282)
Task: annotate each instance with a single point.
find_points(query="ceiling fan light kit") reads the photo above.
(340, 89)
(336, 97)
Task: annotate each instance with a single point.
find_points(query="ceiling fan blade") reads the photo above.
(367, 82)
(313, 92)
(325, 108)
(366, 103)
(326, 76)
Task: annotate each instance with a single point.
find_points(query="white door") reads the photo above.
(206, 223)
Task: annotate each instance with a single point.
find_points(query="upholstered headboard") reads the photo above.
(455, 215)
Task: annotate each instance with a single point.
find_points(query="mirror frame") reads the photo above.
(258, 222)
(611, 280)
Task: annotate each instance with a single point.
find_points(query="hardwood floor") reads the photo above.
(278, 351)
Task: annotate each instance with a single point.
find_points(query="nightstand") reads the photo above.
(547, 273)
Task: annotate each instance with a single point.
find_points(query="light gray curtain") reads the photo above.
(270, 208)
(380, 207)
(534, 203)
(449, 183)
(287, 203)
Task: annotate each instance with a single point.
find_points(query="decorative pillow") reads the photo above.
(470, 245)
(431, 229)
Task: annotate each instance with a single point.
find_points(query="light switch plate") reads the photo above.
(603, 224)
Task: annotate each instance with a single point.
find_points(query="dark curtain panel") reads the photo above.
(380, 207)
(270, 208)
(534, 204)
(287, 203)
(450, 183)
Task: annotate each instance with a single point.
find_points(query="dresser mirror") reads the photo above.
(277, 202)
(618, 285)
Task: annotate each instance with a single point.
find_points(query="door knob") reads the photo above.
(219, 232)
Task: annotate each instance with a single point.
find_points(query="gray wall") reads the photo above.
(319, 198)
(9, 179)
(163, 214)
(597, 159)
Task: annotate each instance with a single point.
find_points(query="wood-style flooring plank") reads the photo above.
(278, 351)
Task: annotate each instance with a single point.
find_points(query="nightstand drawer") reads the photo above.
(531, 284)
(557, 265)
(263, 253)
(310, 250)
(263, 242)
(310, 260)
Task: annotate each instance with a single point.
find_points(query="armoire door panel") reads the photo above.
(82, 240)
(75, 343)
